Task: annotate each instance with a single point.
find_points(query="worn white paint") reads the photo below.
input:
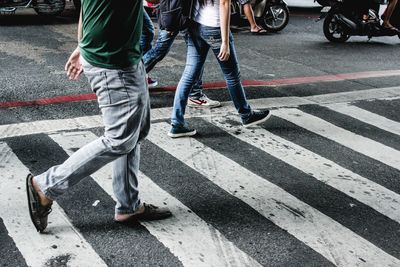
(369, 94)
(191, 239)
(49, 126)
(372, 194)
(329, 238)
(80, 123)
(61, 239)
(367, 117)
(363, 145)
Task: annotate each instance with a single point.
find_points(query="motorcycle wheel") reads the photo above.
(49, 7)
(77, 4)
(333, 31)
(278, 20)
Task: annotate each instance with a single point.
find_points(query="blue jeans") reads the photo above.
(123, 98)
(200, 39)
(147, 36)
(160, 50)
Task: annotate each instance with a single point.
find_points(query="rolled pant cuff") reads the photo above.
(46, 191)
(121, 211)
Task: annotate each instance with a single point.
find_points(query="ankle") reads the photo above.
(124, 217)
(44, 201)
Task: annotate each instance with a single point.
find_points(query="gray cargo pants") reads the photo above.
(123, 98)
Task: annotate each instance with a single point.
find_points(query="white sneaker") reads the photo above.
(203, 102)
(151, 83)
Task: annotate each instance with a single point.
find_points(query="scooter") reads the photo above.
(343, 19)
(42, 7)
(273, 15)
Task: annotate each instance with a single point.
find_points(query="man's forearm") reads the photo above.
(80, 27)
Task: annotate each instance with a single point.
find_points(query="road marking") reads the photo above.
(369, 94)
(188, 237)
(216, 85)
(318, 231)
(371, 194)
(61, 242)
(49, 126)
(358, 143)
(367, 117)
(80, 123)
(298, 80)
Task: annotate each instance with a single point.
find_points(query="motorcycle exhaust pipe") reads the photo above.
(346, 23)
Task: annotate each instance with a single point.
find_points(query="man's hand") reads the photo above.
(73, 67)
(224, 52)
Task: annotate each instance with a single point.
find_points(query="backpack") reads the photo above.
(175, 15)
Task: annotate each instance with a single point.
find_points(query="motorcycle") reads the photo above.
(272, 15)
(42, 7)
(343, 19)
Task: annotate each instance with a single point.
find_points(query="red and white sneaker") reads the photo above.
(151, 83)
(203, 102)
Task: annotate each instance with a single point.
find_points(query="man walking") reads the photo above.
(109, 54)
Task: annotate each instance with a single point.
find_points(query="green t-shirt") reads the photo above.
(111, 32)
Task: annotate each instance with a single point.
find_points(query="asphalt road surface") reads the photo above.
(316, 185)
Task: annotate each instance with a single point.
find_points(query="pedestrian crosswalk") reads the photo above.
(186, 234)
(300, 190)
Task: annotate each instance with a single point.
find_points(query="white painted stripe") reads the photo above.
(60, 240)
(344, 137)
(329, 238)
(49, 126)
(80, 123)
(367, 117)
(188, 237)
(369, 94)
(372, 194)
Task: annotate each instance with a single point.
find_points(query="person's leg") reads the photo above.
(248, 12)
(197, 89)
(196, 55)
(197, 98)
(124, 112)
(231, 71)
(126, 167)
(147, 36)
(164, 42)
(389, 11)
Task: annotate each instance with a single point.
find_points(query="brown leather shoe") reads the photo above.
(38, 212)
(150, 213)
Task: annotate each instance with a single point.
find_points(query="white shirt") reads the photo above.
(208, 14)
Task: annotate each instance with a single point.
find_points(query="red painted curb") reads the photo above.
(48, 101)
(216, 85)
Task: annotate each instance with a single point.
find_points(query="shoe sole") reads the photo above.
(203, 106)
(258, 122)
(137, 218)
(152, 85)
(182, 134)
(29, 188)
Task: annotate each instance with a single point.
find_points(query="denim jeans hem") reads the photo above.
(47, 192)
(196, 94)
(246, 115)
(129, 211)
